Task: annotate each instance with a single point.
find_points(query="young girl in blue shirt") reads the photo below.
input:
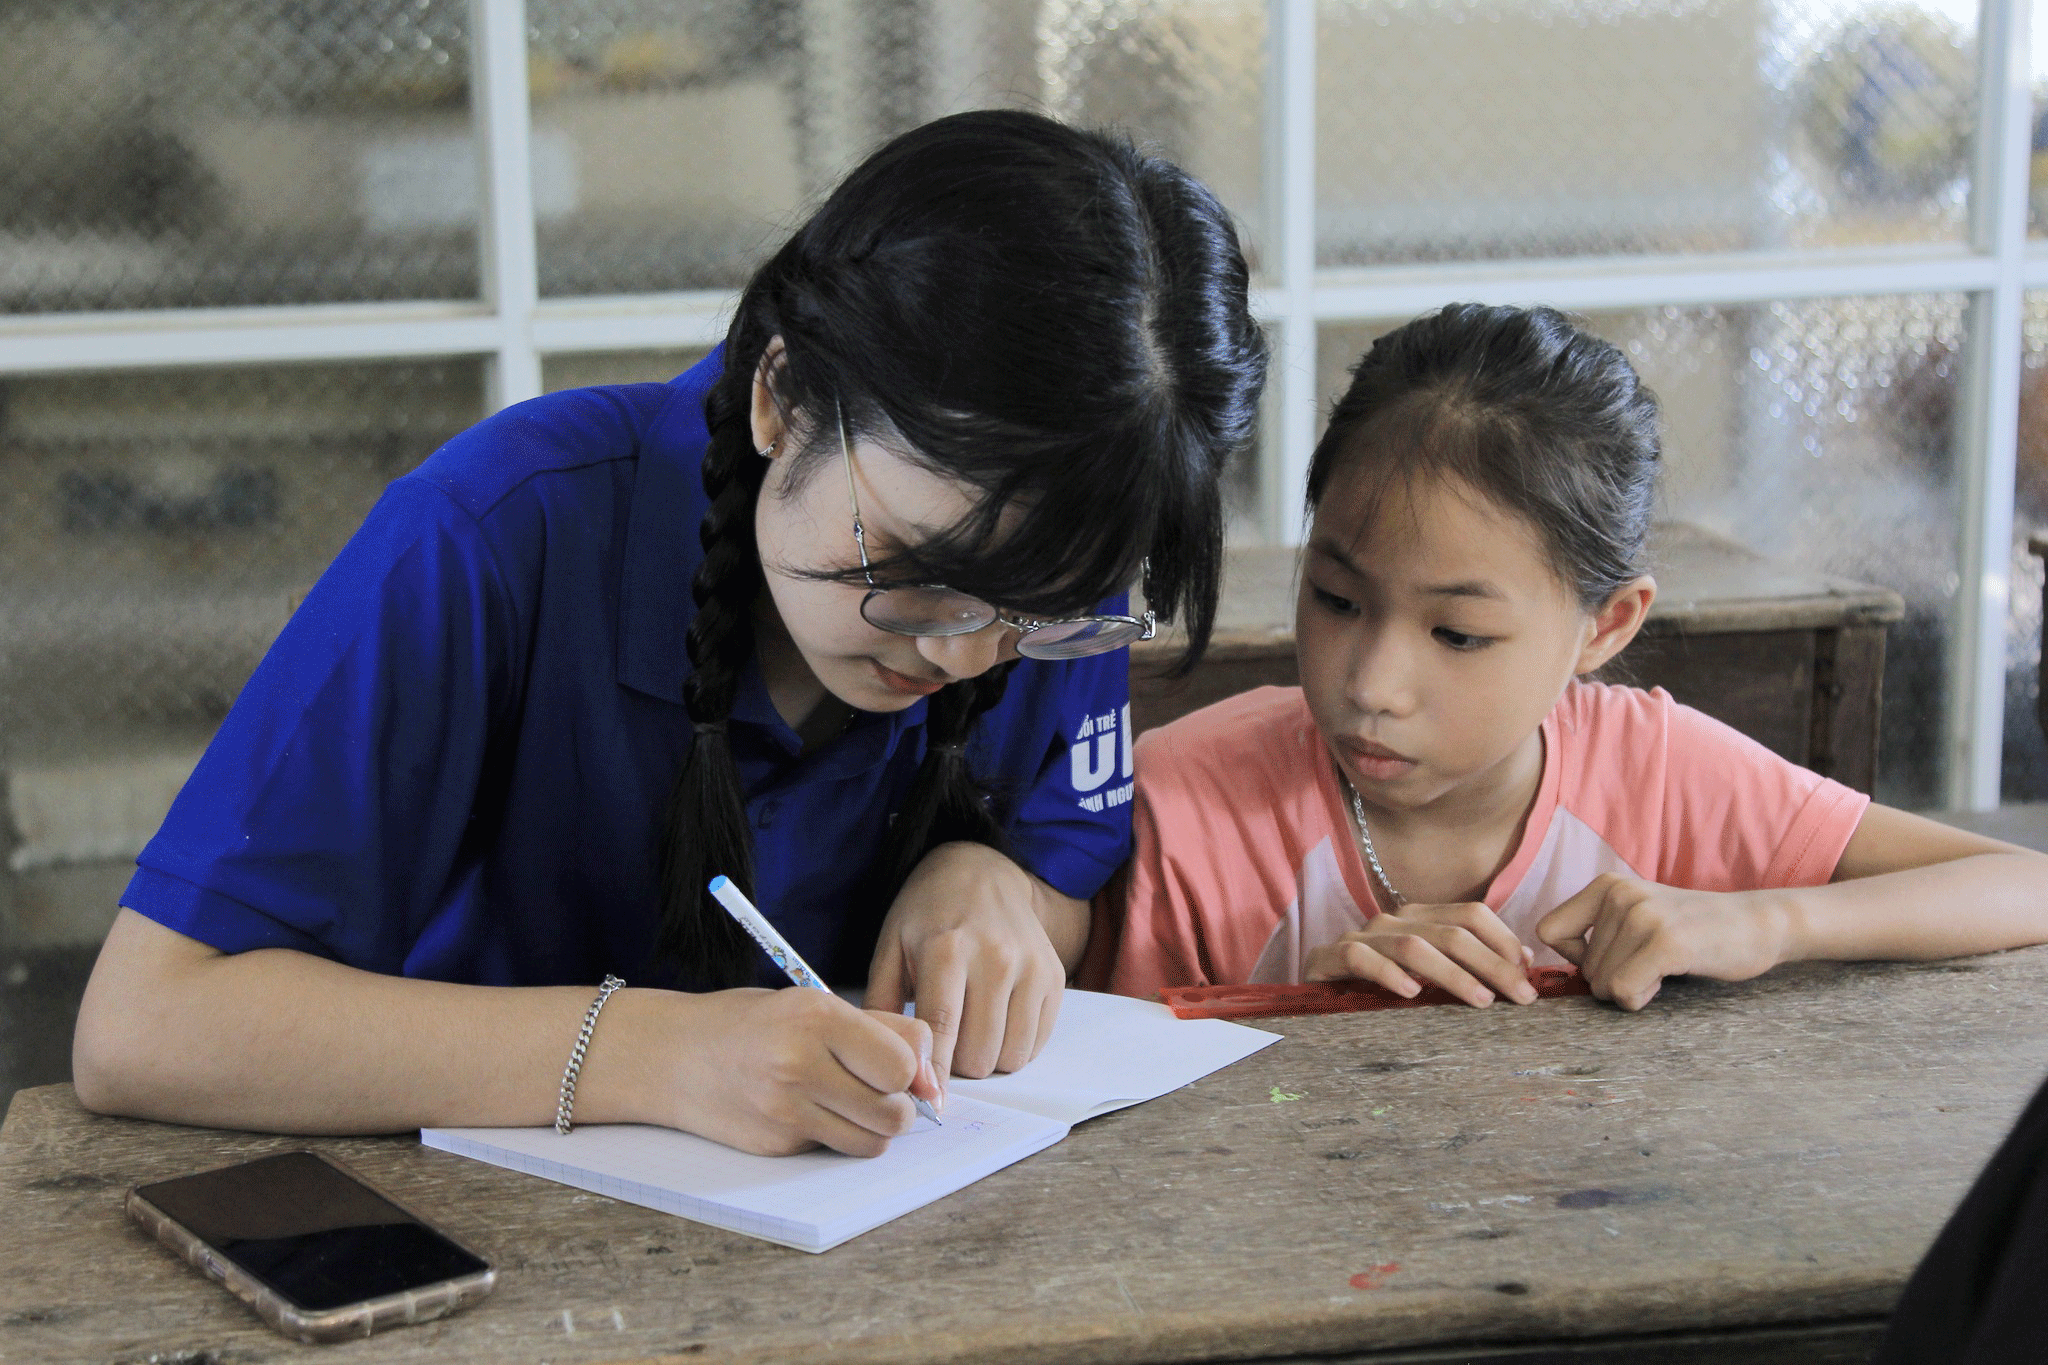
(827, 614)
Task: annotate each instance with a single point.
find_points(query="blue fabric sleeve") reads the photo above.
(1072, 826)
(331, 811)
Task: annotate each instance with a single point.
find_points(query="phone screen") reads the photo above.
(316, 1235)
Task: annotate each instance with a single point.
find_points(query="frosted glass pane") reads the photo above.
(676, 143)
(1467, 129)
(234, 152)
(1817, 432)
(157, 525)
(2026, 748)
(2037, 199)
(1187, 77)
(580, 369)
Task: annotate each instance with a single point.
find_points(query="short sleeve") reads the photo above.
(1071, 825)
(1746, 818)
(339, 801)
(1146, 933)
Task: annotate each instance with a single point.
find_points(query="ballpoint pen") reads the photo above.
(777, 947)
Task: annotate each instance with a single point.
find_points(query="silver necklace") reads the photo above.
(1365, 840)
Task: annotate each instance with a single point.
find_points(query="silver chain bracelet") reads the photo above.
(568, 1100)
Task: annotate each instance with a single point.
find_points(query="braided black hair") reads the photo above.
(1045, 314)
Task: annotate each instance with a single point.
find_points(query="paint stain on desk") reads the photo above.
(1374, 1277)
(1286, 1096)
(1600, 1199)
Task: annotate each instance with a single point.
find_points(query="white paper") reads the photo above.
(1110, 1051)
(812, 1201)
(1106, 1052)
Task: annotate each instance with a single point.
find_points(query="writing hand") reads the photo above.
(965, 941)
(1462, 947)
(1628, 935)
(775, 1072)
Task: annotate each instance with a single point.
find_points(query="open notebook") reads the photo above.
(1106, 1052)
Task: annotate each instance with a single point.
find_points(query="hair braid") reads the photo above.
(1038, 314)
(945, 804)
(704, 833)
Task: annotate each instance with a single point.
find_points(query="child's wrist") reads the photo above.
(1786, 923)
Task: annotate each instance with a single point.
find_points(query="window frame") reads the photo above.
(513, 328)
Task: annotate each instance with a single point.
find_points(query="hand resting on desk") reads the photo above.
(1465, 948)
(1905, 888)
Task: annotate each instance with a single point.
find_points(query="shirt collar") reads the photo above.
(871, 738)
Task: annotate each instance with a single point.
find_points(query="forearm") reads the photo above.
(282, 1041)
(1976, 904)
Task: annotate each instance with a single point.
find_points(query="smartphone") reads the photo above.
(309, 1245)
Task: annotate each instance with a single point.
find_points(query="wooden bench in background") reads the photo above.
(1792, 658)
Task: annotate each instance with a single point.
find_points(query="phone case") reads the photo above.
(354, 1320)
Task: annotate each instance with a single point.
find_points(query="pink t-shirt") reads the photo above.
(1244, 861)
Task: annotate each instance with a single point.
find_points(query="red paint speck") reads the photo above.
(1375, 1277)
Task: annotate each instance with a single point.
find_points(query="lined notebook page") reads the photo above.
(1110, 1051)
(812, 1201)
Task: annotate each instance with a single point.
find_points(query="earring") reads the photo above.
(766, 451)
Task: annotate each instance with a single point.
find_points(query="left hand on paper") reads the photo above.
(966, 941)
(1628, 935)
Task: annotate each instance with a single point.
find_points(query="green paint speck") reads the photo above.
(1377, 1112)
(1282, 1096)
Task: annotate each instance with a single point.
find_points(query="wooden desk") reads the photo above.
(1791, 658)
(1742, 1172)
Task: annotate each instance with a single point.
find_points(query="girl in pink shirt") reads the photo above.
(1443, 800)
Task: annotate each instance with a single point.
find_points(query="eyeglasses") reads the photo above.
(922, 609)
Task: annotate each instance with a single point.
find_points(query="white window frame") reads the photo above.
(511, 327)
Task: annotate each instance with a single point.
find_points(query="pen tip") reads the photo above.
(717, 882)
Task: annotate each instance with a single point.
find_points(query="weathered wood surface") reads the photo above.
(1769, 1158)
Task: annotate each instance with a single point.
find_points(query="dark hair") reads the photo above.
(1525, 407)
(1044, 313)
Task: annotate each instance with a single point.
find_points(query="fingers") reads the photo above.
(1632, 943)
(992, 1019)
(1048, 1016)
(1424, 959)
(1464, 948)
(1479, 941)
(1337, 962)
(813, 1069)
(859, 1105)
(942, 1002)
(1392, 959)
(1491, 930)
(982, 1026)
(1564, 928)
(1632, 954)
(1034, 1004)
(926, 1083)
(861, 1133)
(888, 983)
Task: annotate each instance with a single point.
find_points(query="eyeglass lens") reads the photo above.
(926, 611)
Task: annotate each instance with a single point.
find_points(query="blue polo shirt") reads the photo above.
(453, 762)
